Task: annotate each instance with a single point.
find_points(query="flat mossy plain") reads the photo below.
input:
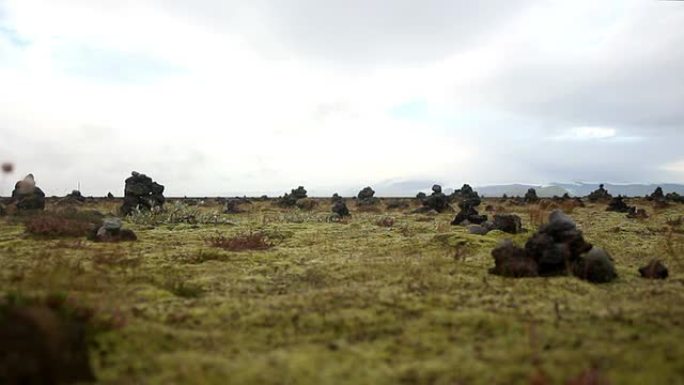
(358, 303)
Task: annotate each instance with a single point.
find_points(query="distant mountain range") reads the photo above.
(411, 188)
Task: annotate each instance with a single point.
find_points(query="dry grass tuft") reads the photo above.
(248, 241)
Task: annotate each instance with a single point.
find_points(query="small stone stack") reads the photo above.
(558, 248)
(469, 201)
(618, 205)
(600, 195)
(531, 196)
(340, 208)
(27, 196)
(112, 231)
(141, 193)
(290, 200)
(437, 201)
(366, 197)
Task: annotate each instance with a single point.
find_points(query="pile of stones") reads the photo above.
(437, 201)
(557, 249)
(469, 200)
(508, 223)
(112, 231)
(141, 193)
(27, 196)
(290, 200)
(366, 197)
(599, 195)
(618, 205)
(531, 196)
(339, 208)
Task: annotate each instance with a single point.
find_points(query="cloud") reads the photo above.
(225, 96)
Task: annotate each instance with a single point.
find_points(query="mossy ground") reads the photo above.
(357, 303)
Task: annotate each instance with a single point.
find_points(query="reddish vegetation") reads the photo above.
(249, 241)
(57, 226)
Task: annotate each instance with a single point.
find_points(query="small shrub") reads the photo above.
(59, 225)
(249, 241)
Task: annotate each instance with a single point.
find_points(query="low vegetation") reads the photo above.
(313, 301)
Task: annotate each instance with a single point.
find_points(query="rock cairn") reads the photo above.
(27, 196)
(141, 193)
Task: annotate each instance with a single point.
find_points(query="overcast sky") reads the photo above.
(218, 97)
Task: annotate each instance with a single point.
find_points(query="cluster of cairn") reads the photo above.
(290, 200)
(661, 200)
(26, 196)
(558, 248)
(437, 201)
(366, 197)
(141, 193)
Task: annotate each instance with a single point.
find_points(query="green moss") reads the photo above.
(357, 303)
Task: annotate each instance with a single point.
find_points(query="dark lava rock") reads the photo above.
(508, 223)
(232, 206)
(618, 205)
(654, 270)
(600, 194)
(421, 196)
(40, 345)
(27, 196)
(366, 197)
(657, 195)
(336, 198)
(340, 208)
(290, 200)
(112, 231)
(674, 197)
(531, 196)
(76, 195)
(436, 189)
(141, 193)
(595, 266)
(511, 261)
(110, 195)
(556, 245)
(478, 229)
(465, 192)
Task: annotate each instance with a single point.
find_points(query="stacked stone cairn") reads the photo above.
(557, 249)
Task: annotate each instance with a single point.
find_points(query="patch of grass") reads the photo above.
(52, 225)
(242, 242)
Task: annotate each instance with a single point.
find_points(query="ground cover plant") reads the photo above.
(359, 301)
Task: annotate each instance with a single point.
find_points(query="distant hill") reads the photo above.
(519, 190)
(409, 188)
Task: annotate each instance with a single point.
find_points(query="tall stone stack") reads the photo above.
(27, 196)
(141, 193)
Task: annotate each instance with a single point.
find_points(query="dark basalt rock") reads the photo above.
(556, 245)
(232, 206)
(600, 194)
(290, 200)
(27, 196)
(595, 266)
(112, 231)
(654, 270)
(531, 196)
(336, 198)
(511, 261)
(40, 345)
(437, 201)
(618, 205)
(340, 208)
(657, 195)
(110, 195)
(508, 223)
(366, 197)
(141, 193)
(478, 229)
(674, 197)
(421, 196)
